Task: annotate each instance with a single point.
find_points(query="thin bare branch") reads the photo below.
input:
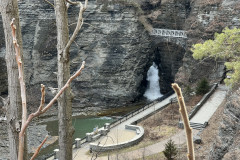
(184, 115)
(79, 23)
(39, 112)
(49, 3)
(22, 87)
(38, 149)
(42, 98)
(72, 3)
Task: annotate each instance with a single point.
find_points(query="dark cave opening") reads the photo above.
(168, 57)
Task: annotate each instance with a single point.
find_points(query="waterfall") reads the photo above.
(153, 89)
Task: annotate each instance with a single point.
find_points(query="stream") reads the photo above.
(81, 124)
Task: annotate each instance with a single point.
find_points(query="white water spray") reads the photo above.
(153, 89)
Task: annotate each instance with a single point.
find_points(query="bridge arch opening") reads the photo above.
(168, 57)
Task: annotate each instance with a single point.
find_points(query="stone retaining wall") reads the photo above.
(136, 139)
(200, 104)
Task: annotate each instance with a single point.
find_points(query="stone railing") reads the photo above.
(98, 133)
(90, 136)
(169, 33)
(139, 135)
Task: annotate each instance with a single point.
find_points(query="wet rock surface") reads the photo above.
(3, 76)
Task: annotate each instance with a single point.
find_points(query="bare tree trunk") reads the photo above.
(64, 102)
(9, 10)
(184, 115)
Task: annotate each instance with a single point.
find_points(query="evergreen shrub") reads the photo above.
(202, 87)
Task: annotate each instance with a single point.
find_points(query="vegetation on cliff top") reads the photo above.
(225, 46)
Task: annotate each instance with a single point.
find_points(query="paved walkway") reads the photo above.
(178, 139)
(80, 154)
(203, 115)
(208, 109)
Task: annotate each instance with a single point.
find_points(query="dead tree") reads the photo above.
(9, 10)
(184, 115)
(63, 45)
(41, 109)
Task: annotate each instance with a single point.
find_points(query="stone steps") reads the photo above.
(197, 126)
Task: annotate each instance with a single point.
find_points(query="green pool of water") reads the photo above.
(82, 125)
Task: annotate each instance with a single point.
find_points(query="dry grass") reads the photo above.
(158, 127)
(192, 102)
(157, 156)
(208, 136)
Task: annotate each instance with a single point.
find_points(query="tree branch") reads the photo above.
(79, 23)
(41, 110)
(22, 87)
(184, 115)
(49, 3)
(72, 3)
(38, 149)
(42, 98)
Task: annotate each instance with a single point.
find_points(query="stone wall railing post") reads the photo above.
(78, 142)
(56, 154)
(107, 126)
(88, 137)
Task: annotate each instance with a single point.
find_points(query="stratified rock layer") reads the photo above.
(206, 18)
(112, 41)
(115, 43)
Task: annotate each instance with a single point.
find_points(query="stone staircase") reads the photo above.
(197, 126)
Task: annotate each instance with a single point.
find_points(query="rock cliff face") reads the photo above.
(118, 50)
(226, 146)
(117, 47)
(115, 44)
(168, 52)
(3, 69)
(206, 18)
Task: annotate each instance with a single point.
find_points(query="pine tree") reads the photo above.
(202, 87)
(170, 150)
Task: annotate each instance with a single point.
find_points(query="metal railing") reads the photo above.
(169, 33)
(139, 110)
